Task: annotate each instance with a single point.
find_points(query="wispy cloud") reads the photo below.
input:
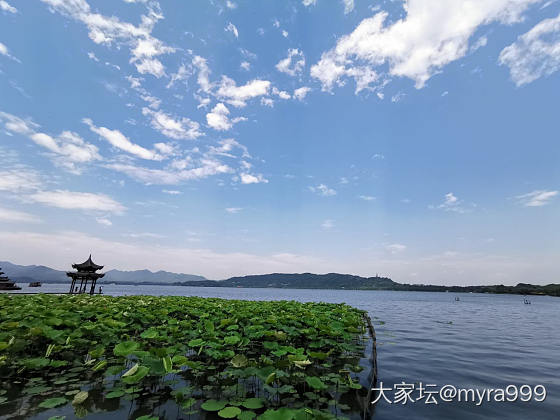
(105, 30)
(7, 215)
(120, 141)
(67, 149)
(534, 54)
(451, 203)
(233, 210)
(293, 64)
(395, 248)
(537, 198)
(7, 7)
(328, 224)
(72, 200)
(322, 190)
(366, 197)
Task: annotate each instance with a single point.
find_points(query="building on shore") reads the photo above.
(84, 277)
(6, 283)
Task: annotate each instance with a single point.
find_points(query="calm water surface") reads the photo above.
(482, 341)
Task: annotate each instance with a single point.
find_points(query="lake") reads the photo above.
(481, 341)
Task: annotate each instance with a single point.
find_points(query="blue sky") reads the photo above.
(415, 139)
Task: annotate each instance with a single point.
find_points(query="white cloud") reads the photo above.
(172, 192)
(252, 179)
(5, 52)
(233, 210)
(327, 224)
(120, 141)
(537, 198)
(366, 197)
(6, 7)
(398, 97)
(267, 102)
(77, 201)
(451, 203)
(219, 119)
(348, 6)
(144, 48)
(19, 180)
(233, 29)
(7, 215)
(245, 65)
(323, 190)
(179, 128)
(182, 75)
(395, 248)
(285, 33)
(534, 54)
(173, 176)
(226, 90)
(103, 221)
(293, 64)
(432, 34)
(301, 93)
(239, 95)
(282, 94)
(93, 57)
(230, 4)
(67, 149)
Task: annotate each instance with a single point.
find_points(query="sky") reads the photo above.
(415, 139)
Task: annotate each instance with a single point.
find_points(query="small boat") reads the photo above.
(35, 284)
(457, 299)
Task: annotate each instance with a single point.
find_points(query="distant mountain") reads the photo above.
(303, 281)
(147, 276)
(311, 281)
(29, 273)
(350, 282)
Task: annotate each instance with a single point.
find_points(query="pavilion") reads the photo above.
(86, 272)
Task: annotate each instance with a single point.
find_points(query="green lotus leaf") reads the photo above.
(239, 361)
(53, 402)
(196, 342)
(131, 371)
(115, 394)
(80, 397)
(280, 414)
(315, 383)
(125, 348)
(149, 333)
(167, 364)
(232, 339)
(246, 415)
(179, 360)
(137, 376)
(253, 403)
(213, 405)
(229, 412)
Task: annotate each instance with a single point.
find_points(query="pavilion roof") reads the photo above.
(88, 264)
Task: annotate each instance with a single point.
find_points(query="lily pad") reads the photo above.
(229, 412)
(53, 402)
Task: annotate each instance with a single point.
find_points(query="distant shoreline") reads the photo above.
(519, 290)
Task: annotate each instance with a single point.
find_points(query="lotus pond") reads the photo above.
(145, 357)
